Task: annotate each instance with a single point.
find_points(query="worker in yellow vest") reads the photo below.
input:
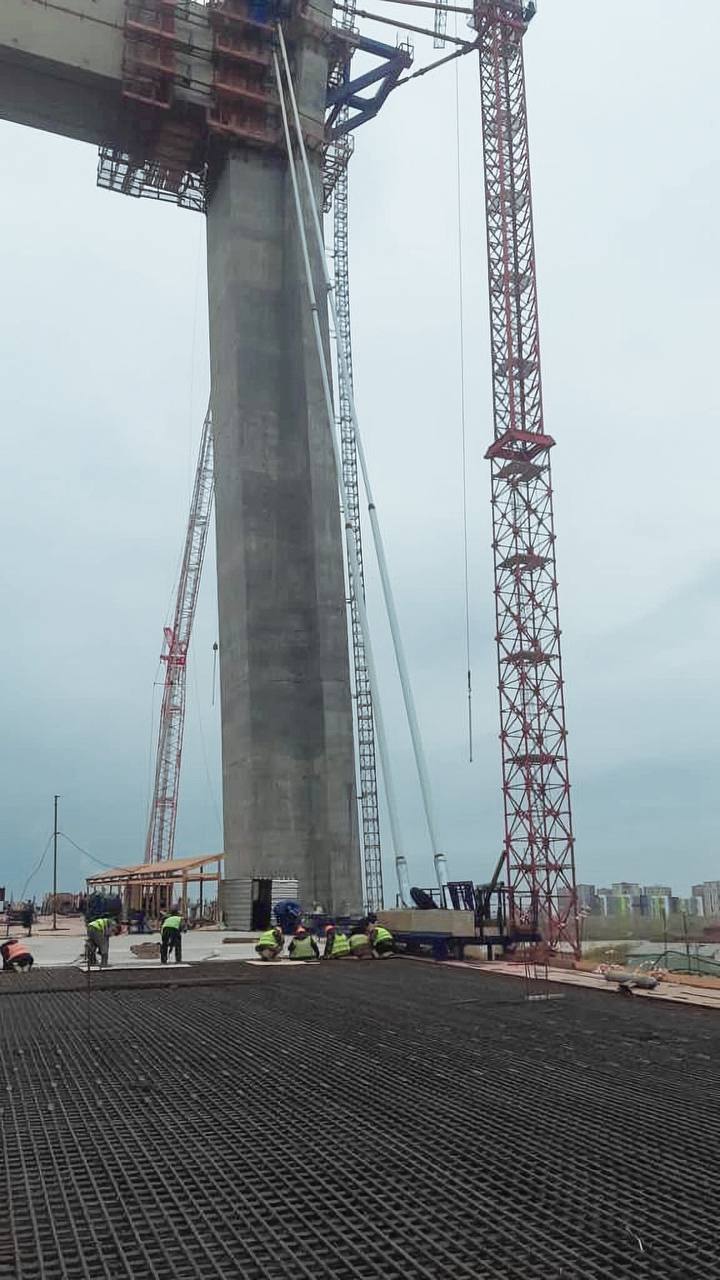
(173, 927)
(337, 945)
(359, 944)
(99, 932)
(270, 944)
(381, 940)
(303, 945)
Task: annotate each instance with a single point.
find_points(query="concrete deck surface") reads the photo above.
(66, 947)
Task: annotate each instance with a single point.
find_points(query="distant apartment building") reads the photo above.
(626, 898)
(621, 899)
(687, 906)
(656, 900)
(707, 895)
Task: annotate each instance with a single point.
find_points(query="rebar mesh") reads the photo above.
(395, 1119)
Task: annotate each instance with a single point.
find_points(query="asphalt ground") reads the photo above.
(397, 1120)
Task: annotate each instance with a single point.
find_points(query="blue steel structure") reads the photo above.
(394, 59)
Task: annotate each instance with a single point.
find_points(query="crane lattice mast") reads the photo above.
(163, 813)
(367, 770)
(539, 844)
(336, 183)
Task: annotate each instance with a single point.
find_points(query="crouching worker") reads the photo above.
(270, 944)
(15, 955)
(303, 945)
(382, 941)
(98, 939)
(171, 933)
(337, 945)
(359, 944)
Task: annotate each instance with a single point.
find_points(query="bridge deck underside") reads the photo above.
(388, 1119)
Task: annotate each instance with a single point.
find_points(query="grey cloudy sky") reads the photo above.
(103, 342)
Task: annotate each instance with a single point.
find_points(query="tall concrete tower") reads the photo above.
(288, 760)
(180, 98)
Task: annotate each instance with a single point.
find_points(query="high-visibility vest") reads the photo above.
(100, 924)
(13, 950)
(357, 941)
(340, 946)
(172, 922)
(382, 934)
(302, 948)
(268, 939)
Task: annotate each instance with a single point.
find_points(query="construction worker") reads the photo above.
(15, 955)
(173, 927)
(337, 945)
(381, 940)
(359, 944)
(364, 925)
(303, 945)
(270, 944)
(98, 938)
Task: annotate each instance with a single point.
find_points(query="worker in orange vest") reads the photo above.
(15, 955)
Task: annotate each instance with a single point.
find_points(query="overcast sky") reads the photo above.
(103, 343)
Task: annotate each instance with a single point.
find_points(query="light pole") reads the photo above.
(55, 836)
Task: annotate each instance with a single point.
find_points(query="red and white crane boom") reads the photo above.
(163, 812)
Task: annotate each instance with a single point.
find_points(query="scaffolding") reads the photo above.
(162, 155)
(245, 105)
(336, 182)
(192, 79)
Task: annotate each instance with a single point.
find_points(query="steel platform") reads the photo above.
(396, 1120)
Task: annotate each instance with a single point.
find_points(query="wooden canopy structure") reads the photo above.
(154, 887)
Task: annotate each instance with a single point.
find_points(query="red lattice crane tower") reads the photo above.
(539, 844)
(160, 841)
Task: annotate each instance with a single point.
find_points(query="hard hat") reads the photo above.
(329, 928)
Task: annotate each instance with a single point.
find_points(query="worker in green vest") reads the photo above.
(303, 945)
(359, 945)
(381, 940)
(173, 927)
(99, 932)
(337, 945)
(270, 944)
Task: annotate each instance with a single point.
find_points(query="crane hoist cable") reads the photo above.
(463, 433)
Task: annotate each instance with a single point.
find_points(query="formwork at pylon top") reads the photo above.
(394, 1120)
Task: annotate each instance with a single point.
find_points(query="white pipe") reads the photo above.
(403, 881)
(441, 874)
(400, 859)
(402, 667)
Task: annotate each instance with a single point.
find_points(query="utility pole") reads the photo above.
(55, 836)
